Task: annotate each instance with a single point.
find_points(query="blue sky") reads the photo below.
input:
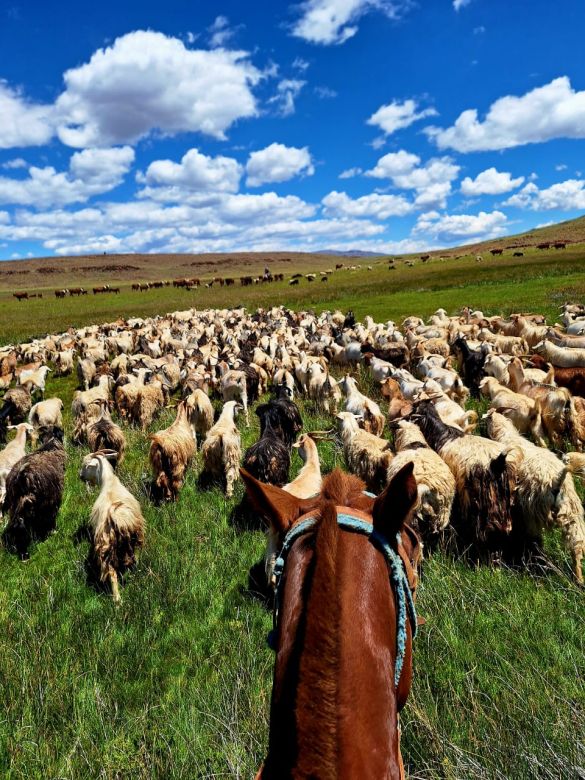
(389, 125)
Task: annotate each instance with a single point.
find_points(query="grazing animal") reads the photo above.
(283, 416)
(472, 362)
(102, 433)
(16, 405)
(11, 454)
(269, 458)
(434, 480)
(47, 413)
(482, 509)
(116, 523)
(171, 451)
(34, 490)
(343, 604)
(367, 455)
(545, 494)
(358, 404)
(221, 450)
(200, 411)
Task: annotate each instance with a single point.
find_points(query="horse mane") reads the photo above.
(319, 663)
(344, 489)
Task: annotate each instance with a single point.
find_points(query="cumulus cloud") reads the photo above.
(287, 92)
(14, 164)
(221, 32)
(277, 163)
(330, 22)
(432, 181)
(146, 81)
(373, 205)
(196, 172)
(396, 115)
(555, 110)
(567, 195)
(490, 182)
(91, 172)
(459, 4)
(23, 123)
(454, 227)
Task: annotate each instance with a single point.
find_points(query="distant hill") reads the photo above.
(346, 253)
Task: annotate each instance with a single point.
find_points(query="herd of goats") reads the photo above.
(495, 494)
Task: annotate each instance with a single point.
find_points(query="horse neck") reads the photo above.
(334, 705)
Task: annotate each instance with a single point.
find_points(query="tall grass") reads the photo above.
(175, 683)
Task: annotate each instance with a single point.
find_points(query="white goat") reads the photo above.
(222, 449)
(12, 453)
(359, 404)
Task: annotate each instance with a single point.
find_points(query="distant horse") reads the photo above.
(343, 627)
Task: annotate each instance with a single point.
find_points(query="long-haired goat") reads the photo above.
(359, 404)
(545, 493)
(11, 454)
(34, 489)
(171, 451)
(116, 522)
(367, 456)
(221, 449)
(200, 411)
(103, 434)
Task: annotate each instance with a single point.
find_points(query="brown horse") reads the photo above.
(342, 636)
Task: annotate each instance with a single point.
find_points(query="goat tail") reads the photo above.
(161, 469)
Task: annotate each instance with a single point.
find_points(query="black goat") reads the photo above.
(269, 458)
(472, 362)
(16, 405)
(34, 489)
(282, 415)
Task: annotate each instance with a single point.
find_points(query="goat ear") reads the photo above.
(275, 505)
(393, 506)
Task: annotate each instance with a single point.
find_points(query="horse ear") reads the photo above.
(274, 504)
(394, 504)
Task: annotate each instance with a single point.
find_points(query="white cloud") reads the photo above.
(195, 172)
(490, 182)
(396, 116)
(146, 81)
(561, 167)
(567, 195)
(373, 205)
(221, 32)
(335, 21)
(350, 173)
(432, 181)
(300, 64)
(479, 30)
(325, 93)
(23, 123)
(287, 91)
(277, 163)
(555, 110)
(91, 172)
(459, 4)
(450, 227)
(15, 164)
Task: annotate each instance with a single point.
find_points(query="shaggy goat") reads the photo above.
(221, 449)
(47, 413)
(359, 404)
(11, 454)
(171, 451)
(103, 434)
(200, 411)
(435, 482)
(116, 522)
(34, 489)
(269, 458)
(367, 456)
(483, 482)
(16, 404)
(283, 415)
(545, 493)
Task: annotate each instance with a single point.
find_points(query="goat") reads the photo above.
(367, 455)
(435, 482)
(11, 454)
(283, 415)
(103, 434)
(116, 522)
(47, 413)
(16, 404)
(171, 451)
(269, 458)
(545, 493)
(359, 404)
(200, 411)
(35, 379)
(518, 408)
(472, 362)
(482, 509)
(149, 401)
(221, 449)
(34, 490)
(234, 387)
(86, 372)
(563, 357)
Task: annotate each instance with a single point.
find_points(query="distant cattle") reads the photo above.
(60, 293)
(544, 245)
(560, 244)
(424, 258)
(22, 296)
(494, 252)
(77, 291)
(293, 281)
(338, 266)
(518, 254)
(229, 281)
(102, 289)
(245, 281)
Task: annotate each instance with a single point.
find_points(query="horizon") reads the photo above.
(163, 131)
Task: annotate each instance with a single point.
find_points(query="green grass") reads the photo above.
(175, 683)
(539, 281)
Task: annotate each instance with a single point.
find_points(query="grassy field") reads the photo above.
(539, 281)
(176, 682)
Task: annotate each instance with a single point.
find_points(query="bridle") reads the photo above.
(396, 561)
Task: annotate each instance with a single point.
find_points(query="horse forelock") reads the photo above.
(347, 490)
